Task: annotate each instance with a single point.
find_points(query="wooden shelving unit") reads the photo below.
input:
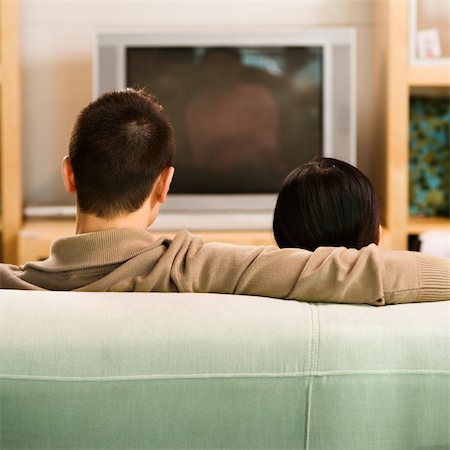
(417, 225)
(429, 76)
(397, 77)
(10, 141)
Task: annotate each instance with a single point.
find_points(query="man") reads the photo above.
(120, 167)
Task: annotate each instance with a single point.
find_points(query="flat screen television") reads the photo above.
(246, 107)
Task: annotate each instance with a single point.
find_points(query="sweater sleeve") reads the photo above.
(370, 275)
(415, 277)
(325, 275)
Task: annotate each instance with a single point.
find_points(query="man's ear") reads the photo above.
(163, 183)
(68, 176)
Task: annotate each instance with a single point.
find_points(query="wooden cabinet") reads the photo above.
(396, 79)
(10, 142)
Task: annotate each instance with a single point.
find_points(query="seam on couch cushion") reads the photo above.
(311, 369)
(310, 339)
(308, 413)
(223, 375)
(317, 313)
(314, 366)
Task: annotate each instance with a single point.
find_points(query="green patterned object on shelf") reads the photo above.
(429, 168)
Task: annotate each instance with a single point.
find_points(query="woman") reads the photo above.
(326, 202)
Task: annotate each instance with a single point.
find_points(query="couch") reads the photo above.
(210, 371)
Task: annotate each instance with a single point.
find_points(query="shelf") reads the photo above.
(417, 225)
(429, 76)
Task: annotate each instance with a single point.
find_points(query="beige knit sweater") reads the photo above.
(131, 260)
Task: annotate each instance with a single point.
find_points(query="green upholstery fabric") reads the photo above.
(210, 371)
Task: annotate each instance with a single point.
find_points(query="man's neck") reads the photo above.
(89, 223)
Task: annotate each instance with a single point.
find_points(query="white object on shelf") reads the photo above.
(436, 243)
(426, 16)
(428, 44)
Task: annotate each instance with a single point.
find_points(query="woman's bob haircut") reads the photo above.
(326, 202)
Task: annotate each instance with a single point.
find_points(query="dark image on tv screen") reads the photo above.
(243, 117)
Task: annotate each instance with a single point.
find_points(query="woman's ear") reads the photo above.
(68, 176)
(380, 234)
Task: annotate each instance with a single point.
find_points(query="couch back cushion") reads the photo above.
(169, 371)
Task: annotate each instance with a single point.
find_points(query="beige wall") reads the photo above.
(56, 41)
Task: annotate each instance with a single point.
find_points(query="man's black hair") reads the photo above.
(119, 145)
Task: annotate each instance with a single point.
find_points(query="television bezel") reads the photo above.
(233, 211)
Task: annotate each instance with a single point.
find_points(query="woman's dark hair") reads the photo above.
(326, 202)
(119, 145)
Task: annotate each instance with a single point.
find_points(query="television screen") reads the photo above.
(243, 116)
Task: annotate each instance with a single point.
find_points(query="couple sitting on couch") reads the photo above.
(120, 167)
